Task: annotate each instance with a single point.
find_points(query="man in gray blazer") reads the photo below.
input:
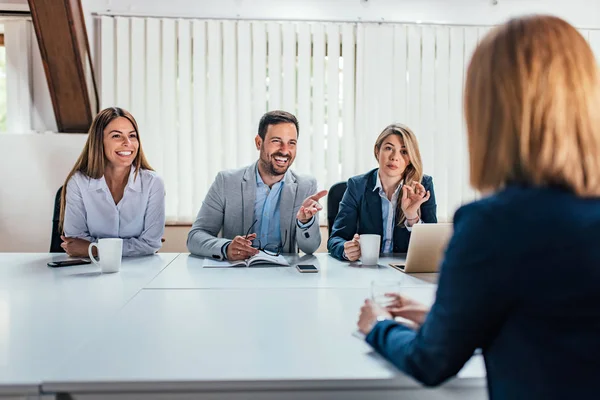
(264, 205)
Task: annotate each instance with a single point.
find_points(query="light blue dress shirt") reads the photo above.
(266, 211)
(388, 212)
(139, 218)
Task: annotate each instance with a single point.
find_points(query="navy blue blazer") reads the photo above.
(520, 280)
(360, 212)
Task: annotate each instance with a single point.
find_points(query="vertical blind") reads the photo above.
(414, 74)
(18, 34)
(199, 87)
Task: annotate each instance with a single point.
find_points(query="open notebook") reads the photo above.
(261, 258)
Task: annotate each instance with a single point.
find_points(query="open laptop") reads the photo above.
(426, 247)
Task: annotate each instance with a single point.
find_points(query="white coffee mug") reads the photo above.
(369, 249)
(109, 252)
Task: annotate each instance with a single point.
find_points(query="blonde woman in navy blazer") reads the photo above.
(521, 275)
(386, 201)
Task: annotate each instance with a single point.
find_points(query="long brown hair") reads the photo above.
(92, 161)
(414, 170)
(532, 102)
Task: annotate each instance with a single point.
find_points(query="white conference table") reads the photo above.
(188, 272)
(245, 343)
(165, 327)
(46, 314)
(251, 333)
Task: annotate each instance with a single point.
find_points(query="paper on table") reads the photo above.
(223, 264)
(261, 258)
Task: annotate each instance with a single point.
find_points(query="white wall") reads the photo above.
(583, 13)
(33, 167)
(14, 5)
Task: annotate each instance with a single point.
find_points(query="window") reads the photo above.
(16, 99)
(2, 81)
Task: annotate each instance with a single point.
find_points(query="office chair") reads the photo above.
(333, 202)
(55, 240)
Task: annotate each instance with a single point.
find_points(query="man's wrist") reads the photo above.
(307, 224)
(224, 250)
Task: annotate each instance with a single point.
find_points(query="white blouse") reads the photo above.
(139, 218)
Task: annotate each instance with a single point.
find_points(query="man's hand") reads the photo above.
(241, 248)
(310, 207)
(75, 247)
(352, 248)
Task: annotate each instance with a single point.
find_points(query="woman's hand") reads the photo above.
(413, 195)
(405, 307)
(369, 313)
(75, 247)
(352, 248)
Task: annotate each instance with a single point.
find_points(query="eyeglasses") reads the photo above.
(272, 249)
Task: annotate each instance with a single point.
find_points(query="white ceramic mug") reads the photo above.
(109, 252)
(369, 249)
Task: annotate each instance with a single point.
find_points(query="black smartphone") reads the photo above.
(306, 268)
(68, 263)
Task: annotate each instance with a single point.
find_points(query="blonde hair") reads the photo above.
(92, 161)
(414, 170)
(532, 108)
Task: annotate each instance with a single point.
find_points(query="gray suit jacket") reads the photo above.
(228, 211)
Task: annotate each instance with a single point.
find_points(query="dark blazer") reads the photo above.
(360, 212)
(521, 281)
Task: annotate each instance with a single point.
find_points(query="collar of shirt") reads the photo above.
(260, 182)
(133, 182)
(379, 187)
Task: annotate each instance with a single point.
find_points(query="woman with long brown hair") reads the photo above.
(520, 278)
(386, 201)
(112, 192)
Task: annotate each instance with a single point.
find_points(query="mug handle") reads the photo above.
(92, 254)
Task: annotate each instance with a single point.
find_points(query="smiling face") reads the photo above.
(393, 157)
(278, 149)
(120, 142)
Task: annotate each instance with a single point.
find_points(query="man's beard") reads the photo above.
(271, 167)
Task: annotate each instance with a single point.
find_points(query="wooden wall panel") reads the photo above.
(62, 38)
